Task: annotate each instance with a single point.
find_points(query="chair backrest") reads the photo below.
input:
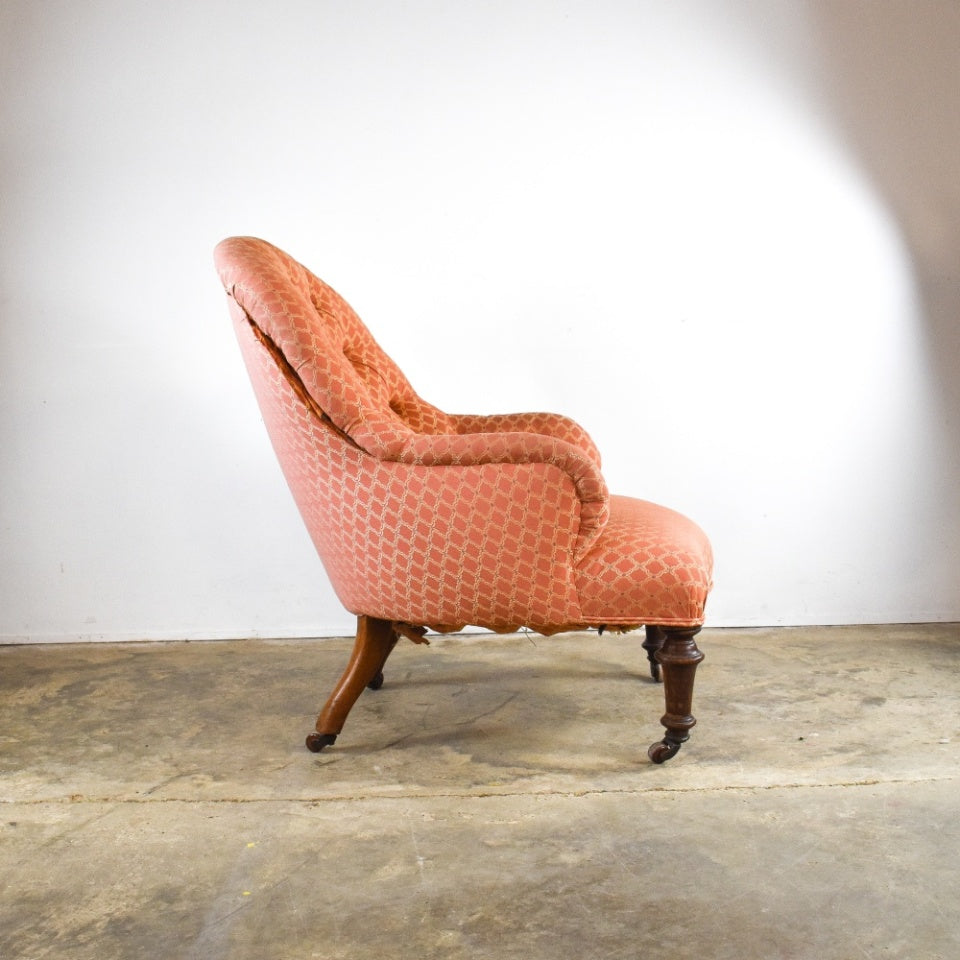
(342, 367)
(489, 542)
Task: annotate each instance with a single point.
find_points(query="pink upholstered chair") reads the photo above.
(425, 519)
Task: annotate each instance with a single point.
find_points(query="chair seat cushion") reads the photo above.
(650, 565)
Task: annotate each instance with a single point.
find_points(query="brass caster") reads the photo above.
(317, 741)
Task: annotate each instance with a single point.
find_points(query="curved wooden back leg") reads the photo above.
(375, 641)
(678, 658)
(652, 643)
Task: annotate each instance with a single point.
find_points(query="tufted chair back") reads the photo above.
(343, 368)
(356, 444)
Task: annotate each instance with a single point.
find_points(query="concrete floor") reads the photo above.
(493, 800)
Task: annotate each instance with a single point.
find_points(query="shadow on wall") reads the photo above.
(891, 82)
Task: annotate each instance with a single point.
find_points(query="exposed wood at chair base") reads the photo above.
(678, 659)
(652, 643)
(672, 650)
(375, 641)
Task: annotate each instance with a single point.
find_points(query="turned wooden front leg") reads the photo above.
(678, 657)
(375, 639)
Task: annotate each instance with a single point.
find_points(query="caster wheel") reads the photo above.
(663, 751)
(655, 672)
(377, 682)
(317, 741)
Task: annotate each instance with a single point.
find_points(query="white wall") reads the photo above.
(723, 235)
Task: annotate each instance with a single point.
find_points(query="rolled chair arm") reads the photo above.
(474, 449)
(547, 424)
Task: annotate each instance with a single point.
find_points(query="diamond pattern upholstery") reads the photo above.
(437, 519)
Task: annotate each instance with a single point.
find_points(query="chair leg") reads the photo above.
(678, 657)
(375, 641)
(653, 641)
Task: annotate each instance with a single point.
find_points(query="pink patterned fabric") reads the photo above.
(438, 519)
